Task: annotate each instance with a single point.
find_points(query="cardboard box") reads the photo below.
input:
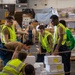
(37, 69)
(55, 68)
(56, 73)
(52, 59)
(30, 60)
(40, 64)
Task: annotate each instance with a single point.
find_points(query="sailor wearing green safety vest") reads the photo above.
(11, 32)
(8, 34)
(64, 36)
(60, 42)
(70, 39)
(16, 65)
(8, 31)
(45, 43)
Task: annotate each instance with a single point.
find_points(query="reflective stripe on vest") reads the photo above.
(13, 69)
(12, 34)
(64, 36)
(3, 38)
(44, 41)
(7, 72)
(16, 68)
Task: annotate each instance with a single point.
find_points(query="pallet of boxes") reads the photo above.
(38, 66)
(54, 65)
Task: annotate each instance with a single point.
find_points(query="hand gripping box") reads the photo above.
(55, 68)
(52, 59)
(30, 60)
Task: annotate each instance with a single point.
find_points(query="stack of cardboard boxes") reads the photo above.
(54, 65)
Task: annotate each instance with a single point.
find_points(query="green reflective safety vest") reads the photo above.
(70, 39)
(44, 41)
(13, 67)
(64, 36)
(12, 34)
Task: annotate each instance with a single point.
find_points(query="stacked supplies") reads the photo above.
(30, 60)
(54, 65)
(40, 64)
(37, 69)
